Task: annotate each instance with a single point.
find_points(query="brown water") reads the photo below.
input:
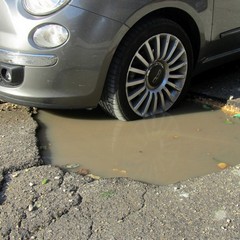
(188, 142)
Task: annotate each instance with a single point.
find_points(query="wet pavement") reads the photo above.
(45, 202)
(221, 83)
(155, 150)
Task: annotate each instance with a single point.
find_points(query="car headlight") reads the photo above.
(43, 7)
(50, 36)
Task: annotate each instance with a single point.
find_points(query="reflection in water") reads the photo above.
(160, 150)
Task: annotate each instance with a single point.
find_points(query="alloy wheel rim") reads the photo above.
(156, 75)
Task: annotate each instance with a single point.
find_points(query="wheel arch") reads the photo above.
(192, 26)
(185, 21)
(181, 17)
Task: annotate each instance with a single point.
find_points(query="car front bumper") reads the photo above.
(69, 76)
(37, 60)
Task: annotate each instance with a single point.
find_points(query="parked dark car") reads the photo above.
(133, 57)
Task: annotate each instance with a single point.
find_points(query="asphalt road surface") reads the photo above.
(44, 202)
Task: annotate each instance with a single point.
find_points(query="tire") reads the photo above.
(150, 71)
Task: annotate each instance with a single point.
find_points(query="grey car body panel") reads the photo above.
(226, 19)
(129, 13)
(122, 10)
(73, 81)
(96, 28)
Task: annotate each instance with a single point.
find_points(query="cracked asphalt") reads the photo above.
(45, 202)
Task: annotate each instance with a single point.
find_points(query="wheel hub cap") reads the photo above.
(155, 75)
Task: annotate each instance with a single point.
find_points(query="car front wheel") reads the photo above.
(150, 71)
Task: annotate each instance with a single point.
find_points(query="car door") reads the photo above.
(226, 26)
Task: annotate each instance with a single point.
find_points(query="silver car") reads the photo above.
(132, 57)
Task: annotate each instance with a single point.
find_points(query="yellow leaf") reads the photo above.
(93, 176)
(122, 171)
(222, 165)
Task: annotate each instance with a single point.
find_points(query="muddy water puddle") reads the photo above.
(188, 142)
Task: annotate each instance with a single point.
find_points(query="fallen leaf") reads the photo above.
(120, 171)
(228, 121)
(222, 165)
(45, 181)
(108, 194)
(71, 166)
(93, 176)
(236, 115)
(83, 171)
